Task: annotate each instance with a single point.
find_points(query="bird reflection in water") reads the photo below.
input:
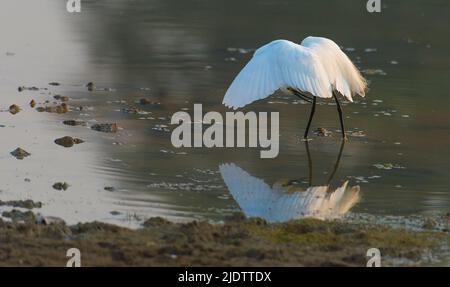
(287, 200)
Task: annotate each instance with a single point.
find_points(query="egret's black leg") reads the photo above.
(313, 109)
(340, 116)
(302, 96)
(336, 165)
(309, 163)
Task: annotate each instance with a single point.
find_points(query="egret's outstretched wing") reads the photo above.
(279, 64)
(251, 193)
(257, 199)
(344, 76)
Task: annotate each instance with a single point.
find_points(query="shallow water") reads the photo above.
(180, 53)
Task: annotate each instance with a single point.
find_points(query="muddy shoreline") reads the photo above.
(236, 242)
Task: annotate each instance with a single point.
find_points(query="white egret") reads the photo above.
(315, 68)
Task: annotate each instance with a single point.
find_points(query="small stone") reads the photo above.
(59, 109)
(47, 220)
(20, 153)
(28, 204)
(90, 86)
(322, 132)
(145, 101)
(430, 223)
(78, 141)
(61, 186)
(156, 222)
(14, 109)
(17, 215)
(106, 128)
(23, 88)
(68, 141)
(61, 98)
(130, 110)
(74, 123)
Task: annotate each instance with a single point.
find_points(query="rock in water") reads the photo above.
(74, 123)
(322, 132)
(68, 141)
(20, 153)
(47, 220)
(18, 216)
(14, 109)
(28, 204)
(145, 101)
(90, 86)
(61, 98)
(106, 128)
(61, 186)
(60, 109)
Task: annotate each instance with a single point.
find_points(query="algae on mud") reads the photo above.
(237, 242)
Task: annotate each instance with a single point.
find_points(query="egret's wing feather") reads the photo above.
(343, 74)
(251, 193)
(279, 64)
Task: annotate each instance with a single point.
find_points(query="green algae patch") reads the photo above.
(313, 234)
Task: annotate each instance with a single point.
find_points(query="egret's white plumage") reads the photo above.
(279, 203)
(317, 67)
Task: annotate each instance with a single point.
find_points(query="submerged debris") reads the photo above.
(131, 110)
(47, 220)
(322, 132)
(29, 204)
(358, 134)
(14, 109)
(68, 141)
(17, 216)
(20, 153)
(61, 186)
(23, 88)
(90, 86)
(145, 101)
(388, 166)
(74, 123)
(59, 109)
(106, 128)
(61, 98)
(372, 72)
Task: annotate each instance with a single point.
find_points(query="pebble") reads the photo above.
(14, 109)
(74, 123)
(61, 186)
(20, 153)
(106, 128)
(68, 141)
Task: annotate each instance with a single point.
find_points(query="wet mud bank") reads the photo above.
(236, 242)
